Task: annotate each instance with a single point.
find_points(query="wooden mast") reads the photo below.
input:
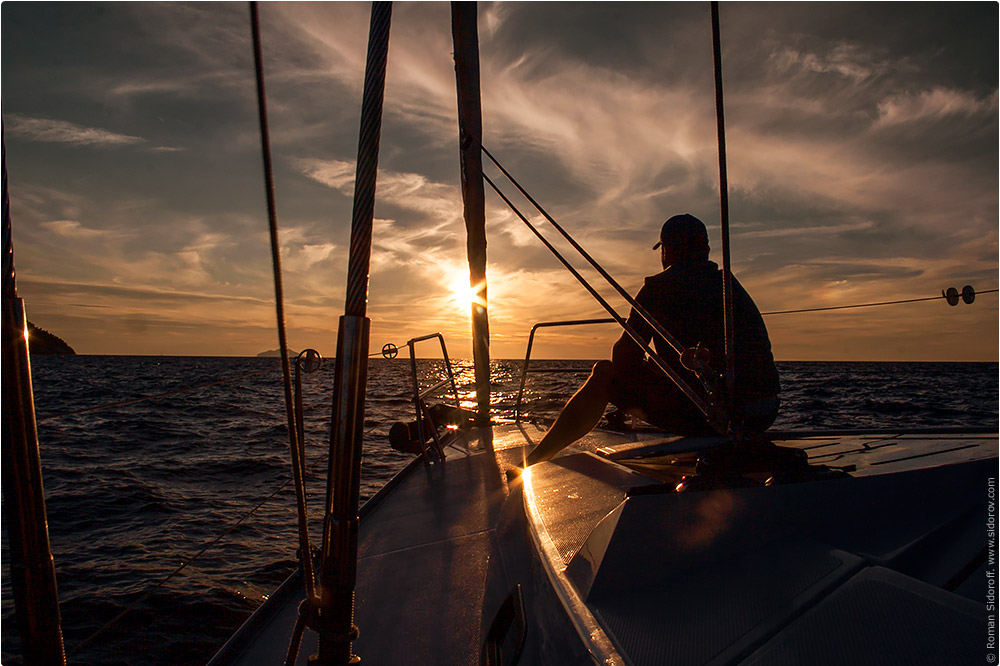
(465, 35)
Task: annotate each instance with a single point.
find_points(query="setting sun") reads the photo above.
(463, 293)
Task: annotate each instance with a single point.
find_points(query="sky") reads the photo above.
(862, 165)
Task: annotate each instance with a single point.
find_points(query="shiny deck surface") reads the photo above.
(423, 553)
(426, 544)
(882, 566)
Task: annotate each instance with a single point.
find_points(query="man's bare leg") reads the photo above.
(579, 416)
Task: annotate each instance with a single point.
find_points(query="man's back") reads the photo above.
(686, 299)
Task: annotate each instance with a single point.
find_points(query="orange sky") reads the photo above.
(862, 168)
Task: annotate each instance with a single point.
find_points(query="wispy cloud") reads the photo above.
(437, 203)
(337, 174)
(61, 131)
(934, 104)
(69, 288)
(72, 229)
(843, 58)
(862, 165)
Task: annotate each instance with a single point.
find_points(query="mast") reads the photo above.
(335, 617)
(465, 36)
(32, 572)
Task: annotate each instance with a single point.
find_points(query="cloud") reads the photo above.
(862, 225)
(847, 60)
(934, 104)
(862, 163)
(72, 229)
(336, 174)
(438, 204)
(142, 294)
(304, 256)
(61, 131)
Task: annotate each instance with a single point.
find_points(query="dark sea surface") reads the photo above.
(135, 491)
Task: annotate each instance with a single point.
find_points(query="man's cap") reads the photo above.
(684, 232)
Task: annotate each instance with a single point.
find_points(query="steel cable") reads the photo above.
(294, 436)
(706, 408)
(673, 342)
(727, 272)
(367, 166)
(868, 305)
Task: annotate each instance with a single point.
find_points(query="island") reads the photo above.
(276, 353)
(41, 341)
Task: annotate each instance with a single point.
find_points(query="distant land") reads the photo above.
(41, 341)
(276, 353)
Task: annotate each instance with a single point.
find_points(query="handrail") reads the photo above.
(527, 353)
(418, 395)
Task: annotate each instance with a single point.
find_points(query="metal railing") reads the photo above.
(421, 408)
(527, 354)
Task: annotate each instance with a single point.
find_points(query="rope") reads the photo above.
(869, 305)
(367, 167)
(125, 403)
(294, 436)
(727, 273)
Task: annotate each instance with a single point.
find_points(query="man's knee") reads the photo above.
(603, 373)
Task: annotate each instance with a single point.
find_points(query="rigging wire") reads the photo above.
(677, 346)
(709, 408)
(294, 436)
(727, 272)
(702, 406)
(868, 305)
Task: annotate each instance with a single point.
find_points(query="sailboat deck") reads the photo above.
(823, 572)
(423, 554)
(425, 566)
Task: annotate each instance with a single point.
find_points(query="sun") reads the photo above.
(461, 291)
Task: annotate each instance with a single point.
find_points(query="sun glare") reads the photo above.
(462, 293)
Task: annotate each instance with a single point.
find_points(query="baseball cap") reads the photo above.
(683, 231)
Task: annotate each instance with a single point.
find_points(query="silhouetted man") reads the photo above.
(686, 300)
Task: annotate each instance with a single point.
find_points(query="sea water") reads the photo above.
(135, 491)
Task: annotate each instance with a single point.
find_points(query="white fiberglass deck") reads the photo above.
(425, 567)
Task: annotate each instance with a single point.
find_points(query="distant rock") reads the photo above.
(276, 353)
(41, 341)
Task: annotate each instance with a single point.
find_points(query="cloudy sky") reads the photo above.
(863, 153)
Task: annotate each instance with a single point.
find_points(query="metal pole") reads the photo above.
(340, 552)
(465, 36)
(727, 273)
(32, 571)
